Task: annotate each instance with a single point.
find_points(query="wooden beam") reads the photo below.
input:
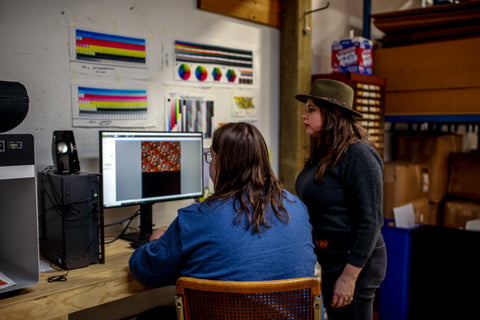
(262, 11)
(295, 77)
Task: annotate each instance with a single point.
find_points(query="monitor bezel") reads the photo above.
(149, 200)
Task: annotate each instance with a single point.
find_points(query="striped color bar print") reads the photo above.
(117, 103)
(109, 49)
(193, 52)
(190, 115)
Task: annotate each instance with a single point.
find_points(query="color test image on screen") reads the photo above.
(160, 168)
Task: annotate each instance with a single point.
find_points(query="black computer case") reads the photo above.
(70, 219)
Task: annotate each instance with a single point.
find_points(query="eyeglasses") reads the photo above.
(208, 156)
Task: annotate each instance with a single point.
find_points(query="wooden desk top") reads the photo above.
(85, 288)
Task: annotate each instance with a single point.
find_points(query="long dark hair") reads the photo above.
(243, 173)
(339, 131)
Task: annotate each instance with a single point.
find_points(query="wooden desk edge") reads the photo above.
(85, 288)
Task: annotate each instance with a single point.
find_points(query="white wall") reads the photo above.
(34, 50)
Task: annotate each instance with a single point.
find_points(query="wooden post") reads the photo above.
(295, 77)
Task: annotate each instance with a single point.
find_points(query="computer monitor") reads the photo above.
(145, 167)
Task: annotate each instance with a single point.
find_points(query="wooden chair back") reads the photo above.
(200, 299)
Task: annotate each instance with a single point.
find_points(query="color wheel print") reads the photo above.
(201, 73)
(184, 71)
(216, 74)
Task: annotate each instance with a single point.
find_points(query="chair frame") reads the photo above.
(183, 283)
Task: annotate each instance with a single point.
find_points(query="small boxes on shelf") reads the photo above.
(352, 55)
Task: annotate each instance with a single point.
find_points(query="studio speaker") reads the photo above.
(64, 152)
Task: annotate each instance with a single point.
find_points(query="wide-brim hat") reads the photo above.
(331, 93)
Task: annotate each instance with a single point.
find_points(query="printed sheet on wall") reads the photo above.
(190, 113)
(111, 79)
(200, 64)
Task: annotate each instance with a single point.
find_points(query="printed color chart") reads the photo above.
(111, 103)
(190, 115)
(206, 63)
(108, 49)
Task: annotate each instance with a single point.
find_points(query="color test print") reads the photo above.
(160, 156)
(161, 165)
(109, 49)
(104, 103)
(213, 64)
(243, 106)
(190, 115)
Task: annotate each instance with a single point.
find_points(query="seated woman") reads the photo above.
(249, 229)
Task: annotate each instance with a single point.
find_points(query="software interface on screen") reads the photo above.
(140, 167)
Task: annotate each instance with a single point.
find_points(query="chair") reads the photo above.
(200, 299)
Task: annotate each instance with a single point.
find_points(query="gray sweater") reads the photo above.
(348, 203)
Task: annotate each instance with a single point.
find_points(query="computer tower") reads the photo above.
(70, 219)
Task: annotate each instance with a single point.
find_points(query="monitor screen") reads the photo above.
(141, 167)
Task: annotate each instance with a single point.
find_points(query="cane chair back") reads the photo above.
(200, 299)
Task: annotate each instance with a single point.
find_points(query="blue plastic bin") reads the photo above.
(394, 291)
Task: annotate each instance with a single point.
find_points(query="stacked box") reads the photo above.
(463, 202)
(434, 151)
(458, 212)
(465, 175)
(352, 55)
(405, 183)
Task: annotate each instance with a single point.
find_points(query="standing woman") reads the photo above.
(342, 187)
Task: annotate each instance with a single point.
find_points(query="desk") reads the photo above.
(85, 288)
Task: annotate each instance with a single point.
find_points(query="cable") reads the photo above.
(58, 277)
(68, 211)
(122, 221)
(130, 219)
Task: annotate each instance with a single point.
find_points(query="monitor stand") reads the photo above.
(138, 239)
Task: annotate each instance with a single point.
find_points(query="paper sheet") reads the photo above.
(5, 281)
(404, 216)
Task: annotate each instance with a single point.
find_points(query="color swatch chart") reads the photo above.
(190, 115)
(205, 63)
(112, 103)
(109, 49)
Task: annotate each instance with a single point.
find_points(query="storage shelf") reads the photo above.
(437, 118)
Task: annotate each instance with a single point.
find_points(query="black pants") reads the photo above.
(368, 282)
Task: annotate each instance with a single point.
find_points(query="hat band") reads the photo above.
(336, 101)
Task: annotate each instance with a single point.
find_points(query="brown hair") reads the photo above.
(338, 132)
(243, 173)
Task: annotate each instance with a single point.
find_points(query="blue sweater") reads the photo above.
(205, 243)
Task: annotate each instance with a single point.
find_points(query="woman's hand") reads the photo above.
(345, 286)
(157, 233)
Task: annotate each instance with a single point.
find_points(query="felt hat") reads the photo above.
(331, 93)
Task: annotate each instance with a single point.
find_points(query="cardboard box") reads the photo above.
(458, 212)
(434, 214)
(422, 210)
(403, 183)
(352, 55)
(427, 212)
(465, 175)
(434, 151)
